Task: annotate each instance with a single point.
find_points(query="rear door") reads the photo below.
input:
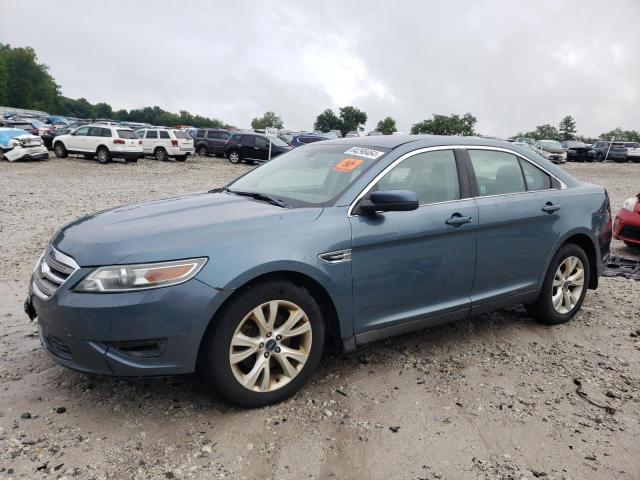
(420, 264)
(150, 141)
(261, 150)
(247, 145)
(519, 208)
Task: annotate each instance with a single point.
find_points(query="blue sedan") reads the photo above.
(352, 240)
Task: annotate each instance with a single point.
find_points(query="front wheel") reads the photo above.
(564, 288)
(264, 346)
(202, 151)
(234, 157)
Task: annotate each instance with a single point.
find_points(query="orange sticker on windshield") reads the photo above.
(348, 165)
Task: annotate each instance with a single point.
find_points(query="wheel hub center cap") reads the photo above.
(271, 345)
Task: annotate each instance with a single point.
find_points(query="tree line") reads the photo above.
(26, 83)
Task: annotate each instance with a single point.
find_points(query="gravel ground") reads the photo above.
(490, 398)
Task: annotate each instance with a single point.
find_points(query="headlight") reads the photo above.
(129, 278)
(630, 203)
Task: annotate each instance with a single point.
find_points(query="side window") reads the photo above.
(496, 172)
(82, 131)
(95, 132)
(212, 135)
(535, 178)
(225, 136)
(247, 140)
(152, 134)
(262, 142)
(164, 134)
(433, 176)
(106, 132)
(200, 134)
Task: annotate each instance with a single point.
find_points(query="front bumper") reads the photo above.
(152, 332)
(626, 226)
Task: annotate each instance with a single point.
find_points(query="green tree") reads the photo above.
(103, 110)
(387, 126)
(567, 128)
(351, 118)
(269, 119)
(447, 125)
(617, 134)
(544, 132)
(327, 121)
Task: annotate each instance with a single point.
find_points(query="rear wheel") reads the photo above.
(60, 150)
(103, 155)
(564, 287)
(202, 151)
(599, 157)
(264, 346)
(161, 155)
(234, 156)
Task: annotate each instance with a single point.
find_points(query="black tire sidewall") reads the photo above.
(542, 309)
(213, 364)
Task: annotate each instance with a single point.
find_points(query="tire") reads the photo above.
(60, 150)
(635, 159)
(599, 157)
(161, 154)
(181, 158)
(566, 279)
(89, 156)
(103, 155)
(237, 319)
(202, 151)
(235, 157)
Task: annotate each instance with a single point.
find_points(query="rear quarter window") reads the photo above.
(164, 134)
(180, 134)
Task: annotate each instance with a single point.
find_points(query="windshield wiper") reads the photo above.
(259, 196)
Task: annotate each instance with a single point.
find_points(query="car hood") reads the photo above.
(173, 228)
(553, 149)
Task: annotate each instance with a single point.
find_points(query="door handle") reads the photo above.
(550, 207)
(458, 220)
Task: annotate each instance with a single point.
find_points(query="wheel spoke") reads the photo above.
(288, 369)
(266, 377)
(558, 280)
(578, 275)
(242, 340)
(298, 355)
(251, 377)
(566, 300)
(273, 312)
(258, 315)
(303, 328)
(237, 357)
(557, 300)
(294, 317)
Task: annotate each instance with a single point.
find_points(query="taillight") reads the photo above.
(139, 142)
(119, 141)
(174, 143)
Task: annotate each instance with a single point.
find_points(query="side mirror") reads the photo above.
(390, 201)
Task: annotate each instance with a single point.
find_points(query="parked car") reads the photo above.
(633, 151)
(352, 134)
(373, 133)
(166, 143)
(38, 127)
(355, 239)
(529, 140)
(552, 150)
(60, 130)
(253, 147)
(626, 226)
(17, 144)
(300, 140)
(211, 141)
(615, 151)
(579, 151)
(100, 141)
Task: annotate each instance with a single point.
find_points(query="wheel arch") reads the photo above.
(102, 145)
(585, 239)
(296, 277)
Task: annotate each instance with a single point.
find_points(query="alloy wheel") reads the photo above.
(568, 284)
(270, 346)
(234, 157)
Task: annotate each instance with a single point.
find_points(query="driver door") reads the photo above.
(77, 140)
(416, 266)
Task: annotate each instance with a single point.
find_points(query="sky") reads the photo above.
(512, 64)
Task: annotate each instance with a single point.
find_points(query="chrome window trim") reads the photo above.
(452, 147)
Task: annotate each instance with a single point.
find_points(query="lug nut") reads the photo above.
(266, 354)
(268, 334)
(278, 337)
(277, 349)
(261, 345)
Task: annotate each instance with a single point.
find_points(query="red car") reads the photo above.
(626, 226)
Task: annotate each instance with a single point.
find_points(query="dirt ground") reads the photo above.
(489, 398)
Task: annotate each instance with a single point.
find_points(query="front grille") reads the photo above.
(53, 269)
(630, 231)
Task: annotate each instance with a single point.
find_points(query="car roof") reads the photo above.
(422, 141)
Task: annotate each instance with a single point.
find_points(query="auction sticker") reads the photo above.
(364, 152)
(347, 165)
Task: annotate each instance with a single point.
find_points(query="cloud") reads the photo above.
(512, 64)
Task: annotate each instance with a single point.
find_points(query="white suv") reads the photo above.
(165, 143)
(103, 142)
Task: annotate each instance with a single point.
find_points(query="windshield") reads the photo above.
(276, 141)
(575, 144)
(311, 176)
(550, 144)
